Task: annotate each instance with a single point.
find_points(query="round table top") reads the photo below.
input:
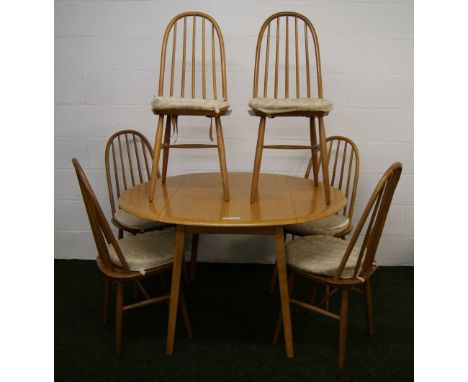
(197, 200)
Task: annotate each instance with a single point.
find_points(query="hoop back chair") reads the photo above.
(117, 263)
(341, 264)
(128, 158)
(271, 105)
(344, 163)
(344, 159)
(202, 102)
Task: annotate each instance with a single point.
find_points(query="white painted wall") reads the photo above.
(106, 71)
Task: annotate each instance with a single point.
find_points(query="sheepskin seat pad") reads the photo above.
(331, 225)
(134, 222)
(145, 251)
(174, 103)
(287, 105)
(321, 255)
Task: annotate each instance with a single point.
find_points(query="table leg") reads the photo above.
(175, 287)
(284, 294)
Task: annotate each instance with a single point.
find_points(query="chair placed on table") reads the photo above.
(344, 159)
(343, 265)
(128, 160)
(291, 105)
(204, 102)
(128, 260)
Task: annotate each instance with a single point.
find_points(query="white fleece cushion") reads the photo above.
(287, 105)
(134, 222)
(145, 251)
(175, 103)
(330, 226)
(321, 255)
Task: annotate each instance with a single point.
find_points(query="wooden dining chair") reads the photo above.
(277, 30)
(128, 160)
(344, 161)
(128, 260)
(340, 264)
(202, 100)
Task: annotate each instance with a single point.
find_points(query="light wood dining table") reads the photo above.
(195, 204)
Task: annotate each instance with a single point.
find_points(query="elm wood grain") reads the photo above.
(282, 200)
(268, 26)
(103, 237)
(373, 220)
(313, 157)
(165, 147)
(258, 160)
(284, 290)
(216, 40)
(175, 288)
(156, 155)
(222, 158)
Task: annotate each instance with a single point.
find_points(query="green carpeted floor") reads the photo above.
(233, 319)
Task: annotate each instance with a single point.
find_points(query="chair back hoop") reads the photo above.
(99, 226)
(344, 166)
(272, 24)
(379, 204)
(128, 159)
(219, 49)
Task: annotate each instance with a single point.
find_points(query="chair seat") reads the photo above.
(321, 255)
(134, 222)
(188, 104)
(331, 225)
(145, 251)
(288, 105)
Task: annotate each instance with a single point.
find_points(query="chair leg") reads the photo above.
(185, 313)
(107, 283)
(368, 297)
(120, 234)
(156, 155)
(313, 160)
(167, 142)
(279, 322)
(194, 256)
(258, 160)
(222, 158)
(118, 318)
(343, 328)
(324, 156)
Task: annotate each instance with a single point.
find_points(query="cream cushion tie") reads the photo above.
(145, 251)
(331, 225)
(134, 222)
(287, 105)
(321, 255)
(175, 103)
